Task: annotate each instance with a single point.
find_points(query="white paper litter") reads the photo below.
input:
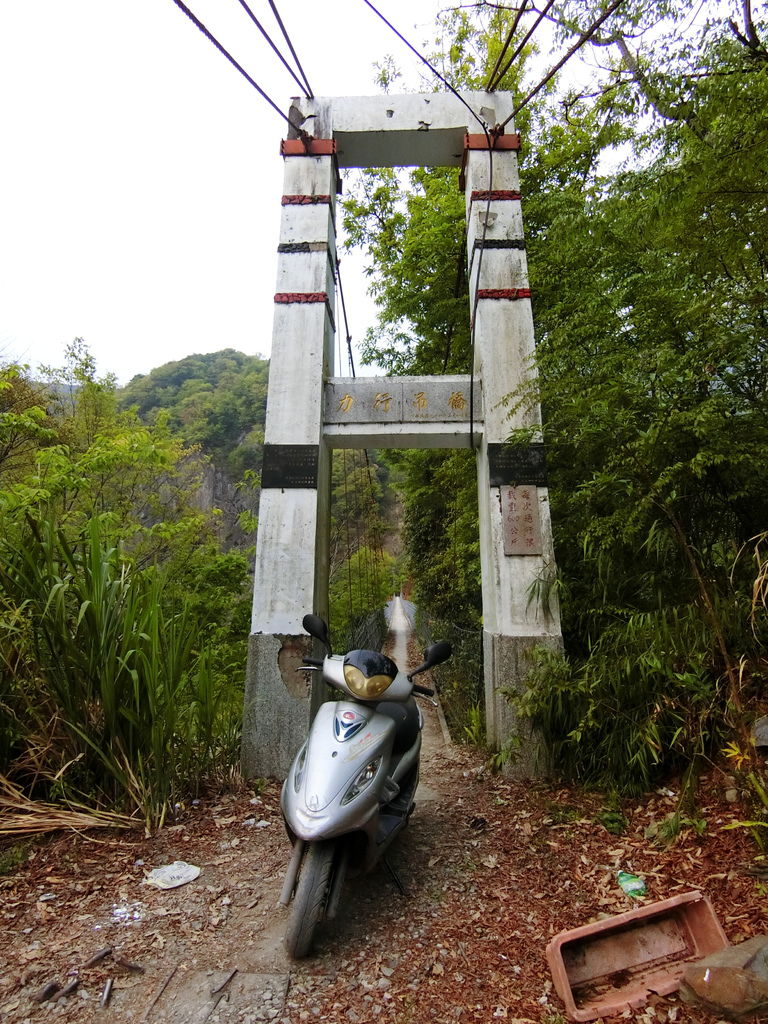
(169, 876)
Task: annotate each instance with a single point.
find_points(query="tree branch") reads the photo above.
(749, 37)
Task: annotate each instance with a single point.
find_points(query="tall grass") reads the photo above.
(645, 701)
(119, 703)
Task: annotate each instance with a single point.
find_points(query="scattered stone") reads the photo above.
(733, 982)
(760, 732)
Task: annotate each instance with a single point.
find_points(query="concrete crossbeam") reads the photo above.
(401, 412)
(408, 435)
(415, 130)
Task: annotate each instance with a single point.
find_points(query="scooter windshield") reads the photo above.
(368, 673)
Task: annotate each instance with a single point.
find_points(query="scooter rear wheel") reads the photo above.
(311, 898)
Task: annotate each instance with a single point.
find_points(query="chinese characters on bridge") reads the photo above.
(382, 402)
(520, 521)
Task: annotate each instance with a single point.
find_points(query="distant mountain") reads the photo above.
(216, 401)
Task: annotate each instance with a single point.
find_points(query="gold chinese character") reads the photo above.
(382, 401)
(346, 403)
(457, 400)
(420, 400)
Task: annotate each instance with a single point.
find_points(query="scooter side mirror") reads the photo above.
(317, 628)
(435, 654)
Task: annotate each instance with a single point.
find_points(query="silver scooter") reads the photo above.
(351, 787)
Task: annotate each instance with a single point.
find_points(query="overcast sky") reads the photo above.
(140, 175)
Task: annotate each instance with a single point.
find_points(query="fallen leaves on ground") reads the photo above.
(493, 870)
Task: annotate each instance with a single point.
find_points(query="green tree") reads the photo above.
(122, 626)
(649, 301)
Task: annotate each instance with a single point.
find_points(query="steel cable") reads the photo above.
(222, 50)
(279, 20)
(493, 80)
(304, 86)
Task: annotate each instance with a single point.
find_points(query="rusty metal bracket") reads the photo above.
(499, 142)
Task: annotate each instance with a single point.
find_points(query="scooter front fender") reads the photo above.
(318, 798)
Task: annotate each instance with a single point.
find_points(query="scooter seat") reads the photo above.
(405, 715)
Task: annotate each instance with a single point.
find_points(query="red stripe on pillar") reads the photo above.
(485, 195)
(304, 200)
(313, 147)
(504, 293)
(497, 142)
(286, 297)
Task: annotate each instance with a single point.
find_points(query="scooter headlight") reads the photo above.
(363, 781)
(367, 688)
(368, 673)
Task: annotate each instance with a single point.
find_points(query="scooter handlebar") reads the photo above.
(423, 690)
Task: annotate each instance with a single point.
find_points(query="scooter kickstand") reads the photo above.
(395, 877)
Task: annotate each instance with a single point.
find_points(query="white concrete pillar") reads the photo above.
(291, 571)
(517, 556)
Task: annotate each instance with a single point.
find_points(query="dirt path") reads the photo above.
(492, 870)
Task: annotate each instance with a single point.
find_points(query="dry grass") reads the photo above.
(20, 816)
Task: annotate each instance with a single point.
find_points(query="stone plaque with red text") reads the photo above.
(520, 521)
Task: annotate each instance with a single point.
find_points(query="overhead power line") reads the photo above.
(304, 86)
(222, 50)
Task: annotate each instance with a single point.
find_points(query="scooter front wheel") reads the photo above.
(311, 897)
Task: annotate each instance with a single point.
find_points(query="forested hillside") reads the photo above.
(125, 575)
(217, 401)
(122, 619)
(216, 404)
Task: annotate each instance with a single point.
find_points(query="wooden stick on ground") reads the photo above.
(163, 986)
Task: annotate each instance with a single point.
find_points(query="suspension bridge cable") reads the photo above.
(349, 544)
(526, 37)
(211, 38)
(492, 80)
(456, 290)
(364, 549)
(368, 541)
(360, 563)
(583, 38)
(346, 321)
(376, 547)
(287, 38)
(431, 66)
(302, 85)
(373, 553)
